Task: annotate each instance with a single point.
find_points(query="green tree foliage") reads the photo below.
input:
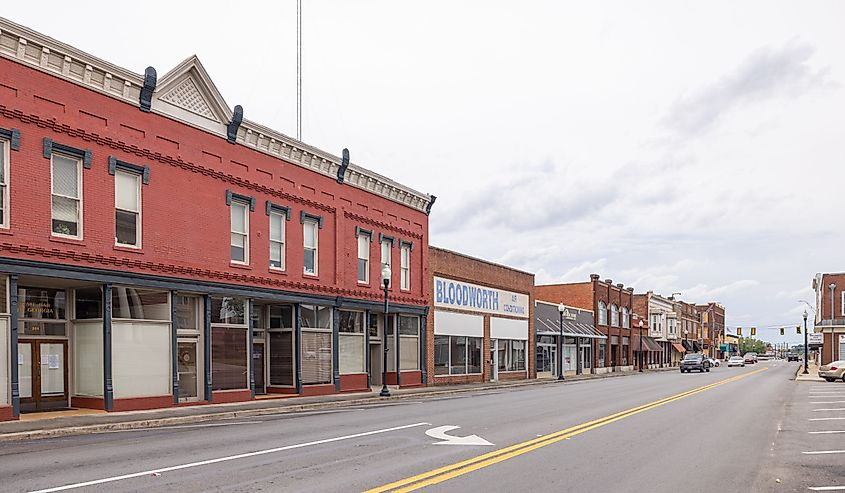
(749, 344)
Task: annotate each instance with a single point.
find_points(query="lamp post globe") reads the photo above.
(805, 372)
(640, 361)
(560, 309)
(385, 282)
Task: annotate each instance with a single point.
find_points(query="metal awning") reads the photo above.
(649, 344)
(547, 327)
(696, 346)
(679, 348)
(687, 345)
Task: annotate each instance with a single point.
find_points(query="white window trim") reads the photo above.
(316, 247)
(79, 227)
(138, 228)
(245, 205)
(283, 259)
(5, 145)
(369, 240)
(404, 269)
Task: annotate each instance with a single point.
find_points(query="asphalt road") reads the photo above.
(733, 429)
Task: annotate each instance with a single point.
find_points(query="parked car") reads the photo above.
(750, 358)
(713, 362)
(736, 361)
(790, 356)
(833, 371)
(695, 361)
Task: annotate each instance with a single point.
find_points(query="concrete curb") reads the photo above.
(295, 408)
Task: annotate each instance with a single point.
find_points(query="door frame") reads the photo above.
(36, 398)
(494, 360)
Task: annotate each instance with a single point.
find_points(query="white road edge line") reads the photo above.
(828, 488)
(818, 452)
(823, 419)
(829, 402)
(830, 409)
(225, 459)
(825, 432)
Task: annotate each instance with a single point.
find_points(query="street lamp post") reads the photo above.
(560, 309)
(385, 281)
(641, 345)
(805, 343)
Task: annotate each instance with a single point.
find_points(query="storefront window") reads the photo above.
(4, 300)
(316, 344)
(511, 355)
(602, 349)
(186, 313)
(228, 358)
(140, 304)
(281, 317)
(88, 303)
(624, 351)
(409, 343)
(228, 310)
(457, 355)
(42, 311)
(351, 342)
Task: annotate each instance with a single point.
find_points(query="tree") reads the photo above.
(749, 344)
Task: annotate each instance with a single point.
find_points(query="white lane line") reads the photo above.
(825, 432)
(827, 488)
(225, 459)
(830, 409)
(829, 402)
(178, 427)
(822, 419)
(818, 452)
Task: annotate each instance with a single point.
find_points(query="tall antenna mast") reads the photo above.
(299, 70)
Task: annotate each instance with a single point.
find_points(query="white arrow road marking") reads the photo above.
(830, 409)
(440, 434)
(825, 432)
(825, 452)
(828, 488)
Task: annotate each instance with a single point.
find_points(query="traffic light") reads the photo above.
(782, 331)
(753, 331)
(797, 329)
(739, 331)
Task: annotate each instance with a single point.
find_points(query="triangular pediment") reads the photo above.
(187, 93)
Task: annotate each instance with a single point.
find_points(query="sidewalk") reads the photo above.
(812, 376)
(83, 421)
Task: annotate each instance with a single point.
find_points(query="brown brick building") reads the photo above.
(830, 314)
(612, 305)
(482, 322)
(713, 328)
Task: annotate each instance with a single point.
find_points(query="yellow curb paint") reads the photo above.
(445, 473)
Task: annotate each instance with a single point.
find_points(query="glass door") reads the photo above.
(187, 370)
(43, 374)
(494, 360)
(258, 367)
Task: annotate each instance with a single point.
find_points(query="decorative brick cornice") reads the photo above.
(162, 158)
(42, 53)
(142, 266)
(382, 225)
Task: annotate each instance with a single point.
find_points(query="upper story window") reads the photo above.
(602, 313)
(364, 239)
(239, 232)
(843, 302)
(614, 315)
(66, 175)
(310, 246)
(405, 266)
(386, 247)
(4, 184)
(277, 239)
(626, 317)
(127, 209)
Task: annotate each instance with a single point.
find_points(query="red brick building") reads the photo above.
(481, 326)
(612, 305)
(829, 319)
(158, 249)
(712, 317)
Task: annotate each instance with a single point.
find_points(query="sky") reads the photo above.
(670, 146)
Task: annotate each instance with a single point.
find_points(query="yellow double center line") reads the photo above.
(445, 473)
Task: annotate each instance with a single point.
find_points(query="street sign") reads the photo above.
(814, 339)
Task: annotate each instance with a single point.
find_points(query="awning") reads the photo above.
(708, 342)
(696, 346)
(649, 344)
(687, 345)
(570, 329)
(679, 348)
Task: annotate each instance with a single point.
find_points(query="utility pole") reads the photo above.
(299, 70)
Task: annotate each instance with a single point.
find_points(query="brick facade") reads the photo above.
(459, 267)
(829, 318)
(588, 295)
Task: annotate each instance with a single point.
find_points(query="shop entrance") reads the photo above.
(43, 376)
(258, 367)
(376, 356)
(187, 370)
(494, 360)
